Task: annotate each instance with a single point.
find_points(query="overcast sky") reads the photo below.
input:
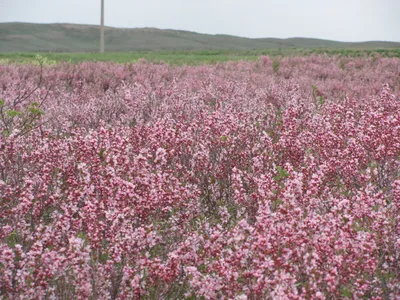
(343, 20)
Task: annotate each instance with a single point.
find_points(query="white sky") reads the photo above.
(343, 20)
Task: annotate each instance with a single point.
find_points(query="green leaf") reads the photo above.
(6, 133)
(276, 204)
(345, 292)
(35, 111)
(101, 153)
(13, 113)
(103, 258)
(282, 173)
(224, 138)
(202, 268)
(12, 239)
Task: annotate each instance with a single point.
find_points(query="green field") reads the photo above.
(189, 57)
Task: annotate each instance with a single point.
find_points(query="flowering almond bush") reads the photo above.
(244, 180)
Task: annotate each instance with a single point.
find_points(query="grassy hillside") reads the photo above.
(26, 37)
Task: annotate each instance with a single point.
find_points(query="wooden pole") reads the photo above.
(102, 28)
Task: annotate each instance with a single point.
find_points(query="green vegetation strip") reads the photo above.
(190, 57)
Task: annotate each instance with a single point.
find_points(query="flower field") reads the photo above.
(272, 179)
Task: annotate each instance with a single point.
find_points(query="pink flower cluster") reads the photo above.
(233, 181)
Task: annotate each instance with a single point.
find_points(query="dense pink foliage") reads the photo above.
(233, 181)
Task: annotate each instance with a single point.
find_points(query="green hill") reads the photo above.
(28, 37)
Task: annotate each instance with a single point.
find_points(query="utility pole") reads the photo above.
(102, 28)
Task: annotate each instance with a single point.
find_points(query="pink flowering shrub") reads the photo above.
(232, 181)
